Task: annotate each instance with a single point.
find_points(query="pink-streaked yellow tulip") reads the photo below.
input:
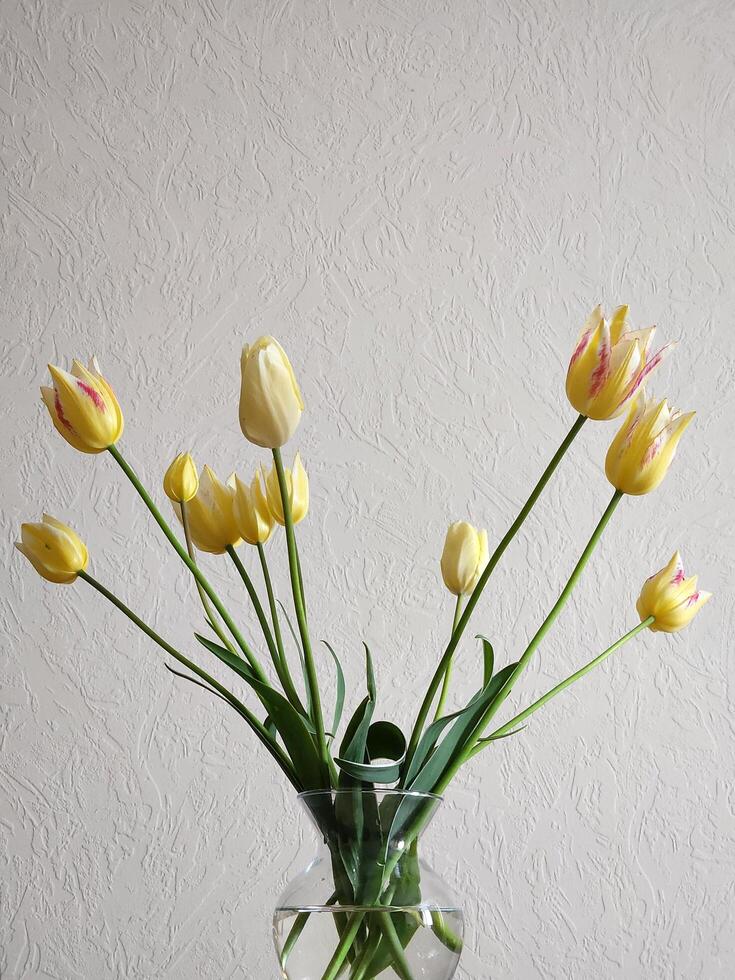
(83, 407)
(672, 599)
(252, 514)
(297, 483)
(641, 453)
(181, 480)
(56, 552)
(609, 364)
(270, 399)
(464, 557)
(210, 514)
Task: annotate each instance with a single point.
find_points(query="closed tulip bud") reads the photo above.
(464, 557)
(641, 453)
(210, 514)
(181, 480)
(297, 483)
(270, 400)
(56, 552)
(609, 364)
(672, 599)
(252, 515)
(83, 407)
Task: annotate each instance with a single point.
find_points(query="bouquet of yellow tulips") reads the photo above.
(371, 838)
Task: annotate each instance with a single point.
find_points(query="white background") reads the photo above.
(422, 200)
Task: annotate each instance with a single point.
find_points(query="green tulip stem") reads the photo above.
(334, 967)
(211, 619)
(510, 725)
(448, 670)
(494, 707)
(288, 682)
(300, 608)
(283, 676)
(482, 582)
(398, 960)
(268, 741)
(189, 562)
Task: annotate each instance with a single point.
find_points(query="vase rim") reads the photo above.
(376, 791)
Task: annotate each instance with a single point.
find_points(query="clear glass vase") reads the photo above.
(367, 906)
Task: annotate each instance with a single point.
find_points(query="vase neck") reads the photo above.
(382, 821)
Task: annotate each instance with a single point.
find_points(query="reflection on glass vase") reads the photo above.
(367, 906)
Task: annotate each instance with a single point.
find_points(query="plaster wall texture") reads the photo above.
(422, 200)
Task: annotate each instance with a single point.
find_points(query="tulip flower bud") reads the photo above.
(270, 400)
(181, 480)
(641, 453)
(83, 407)
(464, 557)
(252, 515)
(609, 364)
(210, 514)
(670, 598)
(298, 492)
(56, 552)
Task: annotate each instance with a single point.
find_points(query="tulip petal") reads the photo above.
(618, 323)
(61, 424)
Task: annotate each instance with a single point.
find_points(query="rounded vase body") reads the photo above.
(367, 906)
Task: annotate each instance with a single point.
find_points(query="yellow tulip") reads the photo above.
(670, 598)
(641, 453)
(609, 364)
(297, 483)
(252, 515)
(181, 480)
(464, 557)
(270, 400)
(83, 407)
(210, 514)
(56, 552)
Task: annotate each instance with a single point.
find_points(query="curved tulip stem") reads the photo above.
(482, 582)
(299, 606)
(539, 636)
(268, 741)
(189, 562)
(448, 669)
(211, 619)
(283, 676)
(561, 686)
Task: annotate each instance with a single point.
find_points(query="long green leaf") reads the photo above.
(205, 687)
(340, 694)
(495, 738)
(370, 671)
(385, 741)
(454, 741)
(428, 742)
(296, 737)
(354, 742)
(356, 808)
(238, 664)
(292, 726)
(488, 659)
(267, 738)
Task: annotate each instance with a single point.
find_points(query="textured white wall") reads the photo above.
(422, 200)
